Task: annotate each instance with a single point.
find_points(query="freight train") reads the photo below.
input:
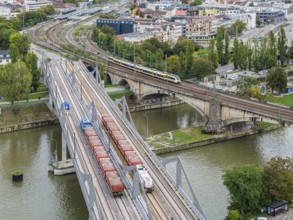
(145, 70)
(128, 152)
(107, 167)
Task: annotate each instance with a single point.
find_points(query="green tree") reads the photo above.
(236, 53)
(245, 84)
(202, 53)
(15, 81)
(272, 50)
(237, 28)
(234, 215)
(226, 53)
(276, 79)
(31, 61)
(242, 56)
(278, 179)
(196, 2)
(282, 45)
(21, 42)
(212, 54)
(173, 64)
(201, 67)
(220, 44)
(245, 187)
(13, 52)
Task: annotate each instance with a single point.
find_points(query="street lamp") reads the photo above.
(147, 118)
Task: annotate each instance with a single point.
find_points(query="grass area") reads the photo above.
(38, 95)
(263, 125)
(119, 94)
(110, 86)
(182, 136)
(286, 100)
(24, 114)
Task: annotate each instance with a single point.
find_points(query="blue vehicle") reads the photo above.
(85, 123)
(66, 106)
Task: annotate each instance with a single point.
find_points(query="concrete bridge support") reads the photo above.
(64, 149)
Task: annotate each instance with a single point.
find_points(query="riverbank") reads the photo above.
(192, 137)
(25, 116)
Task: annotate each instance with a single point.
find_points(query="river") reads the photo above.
(42, 194)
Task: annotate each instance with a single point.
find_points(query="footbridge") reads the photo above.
(71, 82)
(219, 109)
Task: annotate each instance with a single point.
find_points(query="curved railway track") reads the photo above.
(259, 108)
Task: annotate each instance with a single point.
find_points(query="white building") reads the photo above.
(170, 31)
(135, 37)
(248, 18)
(34, 5)
(4, 57)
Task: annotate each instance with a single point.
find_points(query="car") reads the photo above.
(261, 218)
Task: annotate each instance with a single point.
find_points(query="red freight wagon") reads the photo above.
(132, 158)
(107, 118)
(113, 175)
(118, 138)
(95, 141)
(107, 168)
(99, 148)
(105, 161)
(124, 142)
(116, 185)
(90, 132)
(117, 133)
(101, 154)
(124, 148)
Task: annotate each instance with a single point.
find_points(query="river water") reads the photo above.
(42, 195)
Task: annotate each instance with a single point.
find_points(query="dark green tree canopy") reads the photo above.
(277, 79)
(245, 186)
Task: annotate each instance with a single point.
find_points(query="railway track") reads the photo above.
(111, 207)
(162, 200)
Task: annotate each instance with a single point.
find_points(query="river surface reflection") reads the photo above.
(44, 196)
(41, 195)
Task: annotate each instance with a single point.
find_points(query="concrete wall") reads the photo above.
(29, 125)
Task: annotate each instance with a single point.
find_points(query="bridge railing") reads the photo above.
(69, 135)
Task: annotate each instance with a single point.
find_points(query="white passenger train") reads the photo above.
(145, 70)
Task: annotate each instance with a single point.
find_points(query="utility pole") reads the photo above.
(134, 59)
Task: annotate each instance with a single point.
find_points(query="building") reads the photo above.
(4, 57)
(201, 29)
(164, 31)
(135, 37)
(35, 5)
(270, 16)
(119, 26)
(211, 10)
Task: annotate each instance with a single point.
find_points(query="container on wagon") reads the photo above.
(132, 158)
(90, 132)
(101, 154)
(94, 141)
(107, 168)
(105, 161)
(118, 138)
(116, 186)
(125, 148)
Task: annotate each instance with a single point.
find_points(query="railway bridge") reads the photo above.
(220, 110)
(70, 82)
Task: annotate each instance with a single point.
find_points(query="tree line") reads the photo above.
(252, 187)
(22, 75)
(189, 60)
